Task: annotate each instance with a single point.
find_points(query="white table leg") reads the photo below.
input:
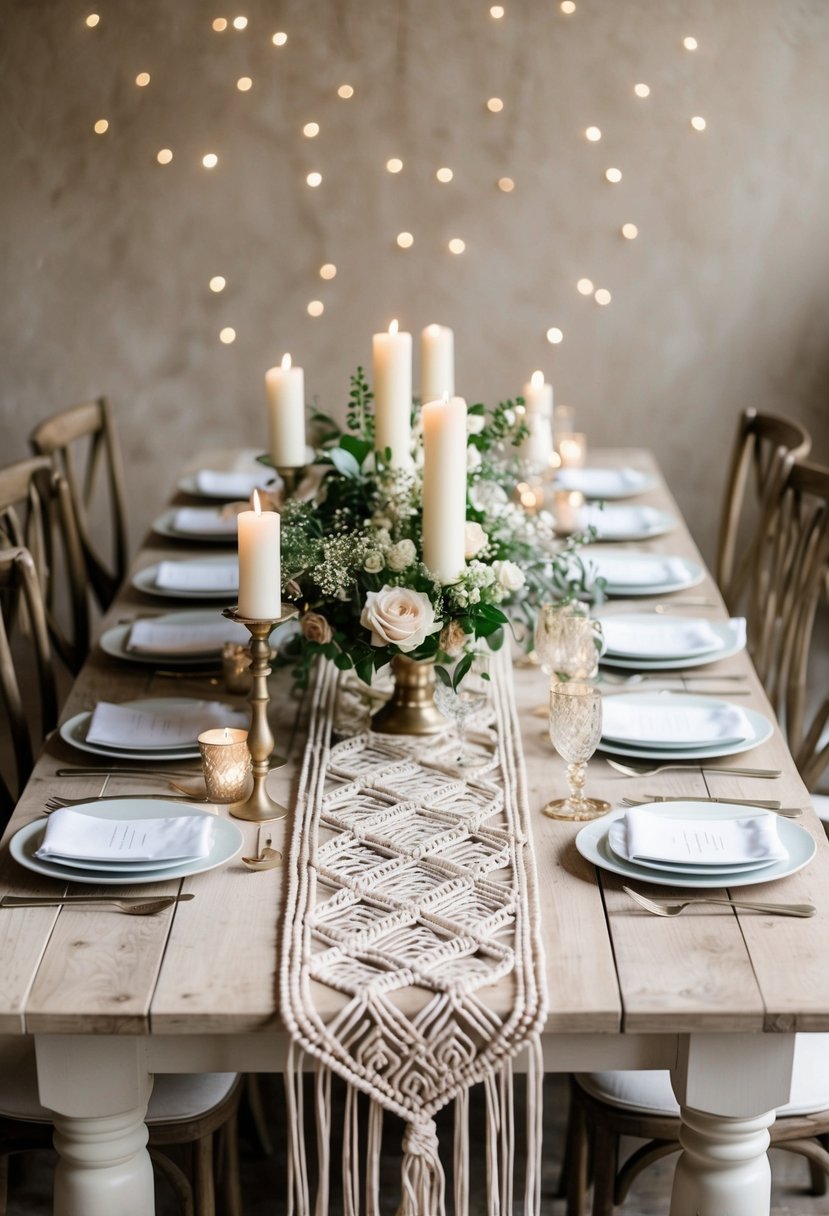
(728, 1088)
(98, 1089)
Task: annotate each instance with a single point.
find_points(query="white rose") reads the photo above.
(488, 496)
(509, 576)
(509, 417)
(401, 555)
(400, 616)
(474, 424)
(374, 562)
(473, 458)
(474, 539)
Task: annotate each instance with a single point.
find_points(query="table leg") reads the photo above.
(728, 1088)
(98, 1089)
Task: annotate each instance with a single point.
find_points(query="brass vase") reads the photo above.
(412, 709)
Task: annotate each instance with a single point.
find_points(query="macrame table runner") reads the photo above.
(412, 917)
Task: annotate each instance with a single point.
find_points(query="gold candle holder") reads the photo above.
(291, 475)
(225, 762)
(259, 806)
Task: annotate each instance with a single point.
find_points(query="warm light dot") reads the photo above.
(239, 23)
(602, 296)
(690, 44)
(210, 161)
(142, 79)
(495, 105)
(444, 175)
(698, 123)
(585, 286)
(642, 90)
(311, 129)
(345, 91)
(554, 335)
(315, 308)
(567, 6)
(614, 175)
(593, 134)
(101, 126)
(394, 165)
(279, 39)
(220, 24)
(92, 20)
(244, 83)
(405, 240)
(630, 232)
(227, 335)
(328, 270)
(314, 179)
(456, 245)
(217, 283)
(497, 11)
(506, 184)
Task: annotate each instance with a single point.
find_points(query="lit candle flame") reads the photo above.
(537, 379)
(393, 327)
(286, 362)
(433, 329)
(257, 506)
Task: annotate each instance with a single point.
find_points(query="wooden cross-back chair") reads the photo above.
(759, 463)
(78, 440)
(36, 512)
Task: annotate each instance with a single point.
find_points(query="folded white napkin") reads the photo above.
(198, 576)
(231, 484)
(204, 521)
(612, 523)
(636, 569)
(163, 638)
(596, 483)
(73, 836)
(666, 725)
(178, 725)
(666, 638)
(726, 842)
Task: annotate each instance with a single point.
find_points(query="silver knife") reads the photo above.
(51, 901)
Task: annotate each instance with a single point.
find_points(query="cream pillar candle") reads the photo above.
(260, 574)
(286, 397)
(437, 363)
(392, 364)
(444, 487)
(537, 448)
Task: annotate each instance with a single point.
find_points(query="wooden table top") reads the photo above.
(211, 966)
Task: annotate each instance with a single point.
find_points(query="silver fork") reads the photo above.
(785, 812)
(54, 803)
(640, 677)
(666, 908)
(135, 906)
(650, 770)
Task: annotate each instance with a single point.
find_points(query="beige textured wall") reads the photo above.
(722, 301)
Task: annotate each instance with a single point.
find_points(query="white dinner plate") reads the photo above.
(593, 845)
(733, 639)
(604, 483)
(688, 573)
(145, 580)
(660, 632)
(617, 840)
(114, 641)
(165, 526)
(626, 523)
(227, 844)
(73, 732)
(188, 485)
(760, 726)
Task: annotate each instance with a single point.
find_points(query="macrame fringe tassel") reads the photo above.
(374, 1147)
(423, 1181)
(535, 1126)
(323, 1112)
(298, 1190)
(493, 1131)
(461, 1163)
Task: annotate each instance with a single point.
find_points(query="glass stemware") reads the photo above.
(461, 690)
(567, 641)
(575, 730)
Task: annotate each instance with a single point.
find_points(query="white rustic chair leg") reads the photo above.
(724, 1167)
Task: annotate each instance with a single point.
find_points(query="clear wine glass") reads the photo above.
(461, 690)
(575, 731)
(567, 641)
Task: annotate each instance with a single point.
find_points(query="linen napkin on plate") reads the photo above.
(73, 836)
(632, 570)
(597, 482)
(666, 638)
(198, 576)
(167, 638)
(726, 842)
(614, 522)
(180, 725)
(676, 726)
(198, 521)
(231, 484)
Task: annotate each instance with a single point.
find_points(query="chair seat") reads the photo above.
(821, 804)
(650, 1092)
(175, 1098)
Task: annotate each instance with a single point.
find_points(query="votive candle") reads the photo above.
(226, 764)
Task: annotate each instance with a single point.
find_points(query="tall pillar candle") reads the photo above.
(437, 363)
(444, 487)
(260, 573)
(286, 409)
(392, 366)
(537, 448)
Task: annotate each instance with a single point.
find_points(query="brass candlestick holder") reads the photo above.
(259, 806)
(291, 475)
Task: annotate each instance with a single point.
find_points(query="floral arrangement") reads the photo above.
(352, 554)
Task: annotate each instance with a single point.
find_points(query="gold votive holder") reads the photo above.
(226, 763)
(572, 449)
(236, 668)
(568, 507)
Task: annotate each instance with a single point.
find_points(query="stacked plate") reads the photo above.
(126, 842)
(155, 729)
(604, 483)
(225, 485)
(623, 522)
(205, 525)
(190, 638)
(631, 572)
(678, 726)
(691, 844)
(644, 641)
(202, 578)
